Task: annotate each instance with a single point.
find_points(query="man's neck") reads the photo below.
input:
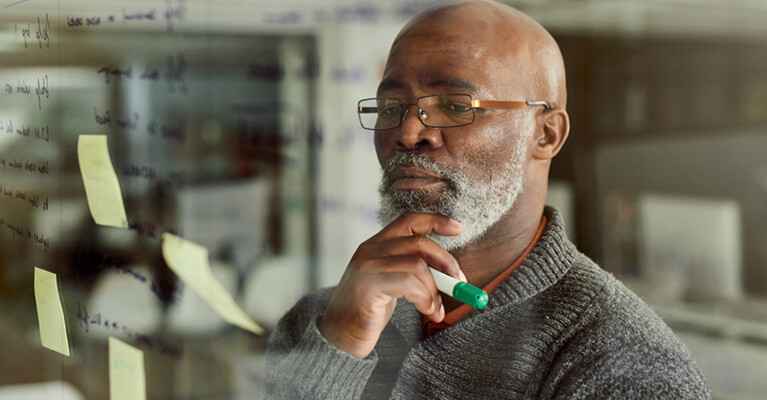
(496, 250)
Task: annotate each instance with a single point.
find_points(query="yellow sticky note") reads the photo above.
(50, 314)
(102, 189)
(127, 379)
(190, 262)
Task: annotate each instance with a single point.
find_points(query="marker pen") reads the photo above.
(460, 291)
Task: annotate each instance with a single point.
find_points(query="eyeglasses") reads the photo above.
(434, 111)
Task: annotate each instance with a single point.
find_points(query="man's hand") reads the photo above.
(393, 263)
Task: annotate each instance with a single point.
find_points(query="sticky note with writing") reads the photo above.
(190, 262)
(127, 380)
(50, 315)
(102, 189)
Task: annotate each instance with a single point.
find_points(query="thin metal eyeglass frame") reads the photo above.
(498, 104)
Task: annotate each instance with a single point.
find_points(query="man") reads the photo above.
(469, 114)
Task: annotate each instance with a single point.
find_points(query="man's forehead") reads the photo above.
(432, 41)
(431, 61)
(438, 83)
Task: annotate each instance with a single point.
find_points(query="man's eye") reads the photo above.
(393, 110)
(457, 107)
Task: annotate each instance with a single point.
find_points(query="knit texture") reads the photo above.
(558, 328)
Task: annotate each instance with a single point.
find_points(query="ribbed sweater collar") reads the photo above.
(548, 261)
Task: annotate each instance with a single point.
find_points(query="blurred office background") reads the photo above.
(232, 124)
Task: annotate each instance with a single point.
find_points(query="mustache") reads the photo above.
(413, 159)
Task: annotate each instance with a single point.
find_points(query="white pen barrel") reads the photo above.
(460, 290)
(445, 283)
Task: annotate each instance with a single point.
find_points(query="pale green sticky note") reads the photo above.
(50, 314)
(190, 262)
(127, 379)
(102, 189)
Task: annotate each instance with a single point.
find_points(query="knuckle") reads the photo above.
(372, 264)
(362, 250)
(417, 294)
(368, 250)
(416, 262)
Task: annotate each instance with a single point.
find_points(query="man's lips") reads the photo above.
(412, 178)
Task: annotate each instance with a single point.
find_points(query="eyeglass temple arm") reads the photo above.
(538, 103)
(507, 104)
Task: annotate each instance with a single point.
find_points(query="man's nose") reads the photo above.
(414, 135)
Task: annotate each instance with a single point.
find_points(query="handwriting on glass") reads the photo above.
(41, 133)
(173, 13)
(17, 230)
(88, 322)
(24, 88)
(121, 264)
(41, 167)
(327, 15)
(42, 32)
(173, 178)
(132, 122)
(149, 229)
(173, 73)
(32, 199)
(275, 72)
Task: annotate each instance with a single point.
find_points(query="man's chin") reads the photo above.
(424, 207)
(454, 243)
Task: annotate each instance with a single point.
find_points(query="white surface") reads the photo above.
(122, 299)
(225, 217)
(41, 391)
(273, 287)
(694, 240)
(348, 170)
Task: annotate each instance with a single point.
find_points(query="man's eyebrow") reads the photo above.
(389, 84)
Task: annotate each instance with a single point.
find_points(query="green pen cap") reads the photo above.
(470, 295)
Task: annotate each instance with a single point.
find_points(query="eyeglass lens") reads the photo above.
(438, 111)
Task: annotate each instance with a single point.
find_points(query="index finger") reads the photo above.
(410, 224)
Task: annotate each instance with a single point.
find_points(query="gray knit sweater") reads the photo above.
(558, 328)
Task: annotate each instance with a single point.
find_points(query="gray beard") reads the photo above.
(476, 205)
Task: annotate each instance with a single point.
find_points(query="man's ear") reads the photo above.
(550, 139)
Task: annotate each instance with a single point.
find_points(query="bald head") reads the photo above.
(521, 53)
(489, 52)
